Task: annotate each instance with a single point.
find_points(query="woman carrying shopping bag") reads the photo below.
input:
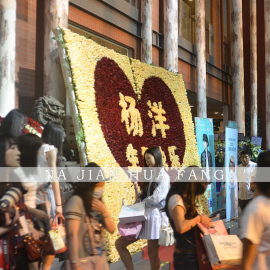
(154, 193)
(49, 156)
(86, 218)
(182, 212)
(15, 223)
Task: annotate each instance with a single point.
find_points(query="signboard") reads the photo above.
(231, 162)
(206, 147)
(256, 140)
(241, 137)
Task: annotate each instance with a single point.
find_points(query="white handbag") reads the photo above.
(166, 235)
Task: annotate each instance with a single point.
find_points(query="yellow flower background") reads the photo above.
(84, 55)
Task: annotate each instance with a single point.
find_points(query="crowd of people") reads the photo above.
(86, 216)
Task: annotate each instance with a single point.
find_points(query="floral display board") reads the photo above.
(124, 107)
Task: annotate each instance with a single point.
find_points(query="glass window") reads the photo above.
(226, 49)
(187, 26)
(132, 2)
(208, 11)
(225, 14)
(187, 23)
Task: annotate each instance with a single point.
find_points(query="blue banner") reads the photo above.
(231, 162)
(206, 147)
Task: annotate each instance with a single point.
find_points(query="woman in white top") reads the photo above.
(49, 154)
(154, 193)
(255, 222)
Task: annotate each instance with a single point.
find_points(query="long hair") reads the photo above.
(263, 161)
(13, 123)
(86, 194)
(188, 190)
(85, 190)
(53, 134)
(6, 141)
(29, 145)
(154, 151)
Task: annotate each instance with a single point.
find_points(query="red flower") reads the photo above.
(110, 80)
(25, 131)
(34, 124)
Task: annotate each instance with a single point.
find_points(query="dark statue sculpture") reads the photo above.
(48, 109)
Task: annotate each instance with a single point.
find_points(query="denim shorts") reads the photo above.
(185, 261)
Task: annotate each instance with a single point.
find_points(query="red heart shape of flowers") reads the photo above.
(110, 81)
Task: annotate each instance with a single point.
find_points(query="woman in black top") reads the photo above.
(182, 212)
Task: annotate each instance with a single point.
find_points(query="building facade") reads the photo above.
(166, 33)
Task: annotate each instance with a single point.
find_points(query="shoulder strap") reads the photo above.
(91, 235)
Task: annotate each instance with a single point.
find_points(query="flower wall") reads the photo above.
(125, 107)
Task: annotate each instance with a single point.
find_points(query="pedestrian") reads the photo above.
(11, 230)
(86, 206)
(48, 157)
(29, 145)
(154, 193)
(182, 212)
(255, 222)
(13, 123)
(245, 172)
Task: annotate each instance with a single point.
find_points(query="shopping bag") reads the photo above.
(132, 213)
(131, 230)
(223, 249)
(202, 257)
(58, 235)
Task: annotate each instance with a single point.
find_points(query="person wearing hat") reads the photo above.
(206, 157)
(86, 204)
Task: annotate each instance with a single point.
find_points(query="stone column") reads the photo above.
(56, 15)
(7, 55)
(225, 116)
(253, 68)
(238, 100)
(171, 35)
(201, 59)
(147, 32)
(267, 69)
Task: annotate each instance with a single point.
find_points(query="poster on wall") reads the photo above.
(231, 149)
(206, 148)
